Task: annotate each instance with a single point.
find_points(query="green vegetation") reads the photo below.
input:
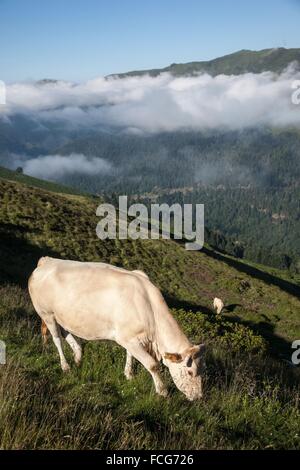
(259, 224)
(248, 181)
(274, 60)
(37, 183)
(251, 396)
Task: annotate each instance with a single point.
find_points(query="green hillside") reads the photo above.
(251, 394)
(274, 60)
(37, 183)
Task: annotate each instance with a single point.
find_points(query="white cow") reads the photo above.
(98, 301)
(218, 305)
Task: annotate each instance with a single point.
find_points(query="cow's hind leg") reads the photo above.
(139, 352)
(54, 329)
(76, 348)
(128, 366)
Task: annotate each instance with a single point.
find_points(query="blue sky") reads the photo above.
(82, 39)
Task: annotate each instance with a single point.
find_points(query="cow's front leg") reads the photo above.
(76, 348)
(128, 366)
(138, 351)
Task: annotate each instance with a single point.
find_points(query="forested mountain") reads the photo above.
(248, 181)
(255, 157)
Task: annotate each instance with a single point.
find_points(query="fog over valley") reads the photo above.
(158, 104)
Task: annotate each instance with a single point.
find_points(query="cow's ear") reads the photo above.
(198, 351)
(173, 357)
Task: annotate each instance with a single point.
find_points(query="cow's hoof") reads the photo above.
(129, 376)
(77, 361)
(65, 367)
(163, 393)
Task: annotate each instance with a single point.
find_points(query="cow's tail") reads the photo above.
(44, 331)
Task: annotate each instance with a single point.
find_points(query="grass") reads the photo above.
(251, 398)
(38, 183)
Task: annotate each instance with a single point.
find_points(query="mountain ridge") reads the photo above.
(243, 61)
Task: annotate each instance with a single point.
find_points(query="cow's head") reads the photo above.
(186, 369)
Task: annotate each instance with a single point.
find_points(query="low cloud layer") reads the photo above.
(163, 103)
(56, 167)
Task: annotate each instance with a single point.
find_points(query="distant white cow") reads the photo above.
(98, 301)
(218, 305)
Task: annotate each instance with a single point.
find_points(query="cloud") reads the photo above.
(163, 103)
(57, 166)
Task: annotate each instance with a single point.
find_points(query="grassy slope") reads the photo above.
(251, 399)
(38, 183)
(275, 60)
(292, 279)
